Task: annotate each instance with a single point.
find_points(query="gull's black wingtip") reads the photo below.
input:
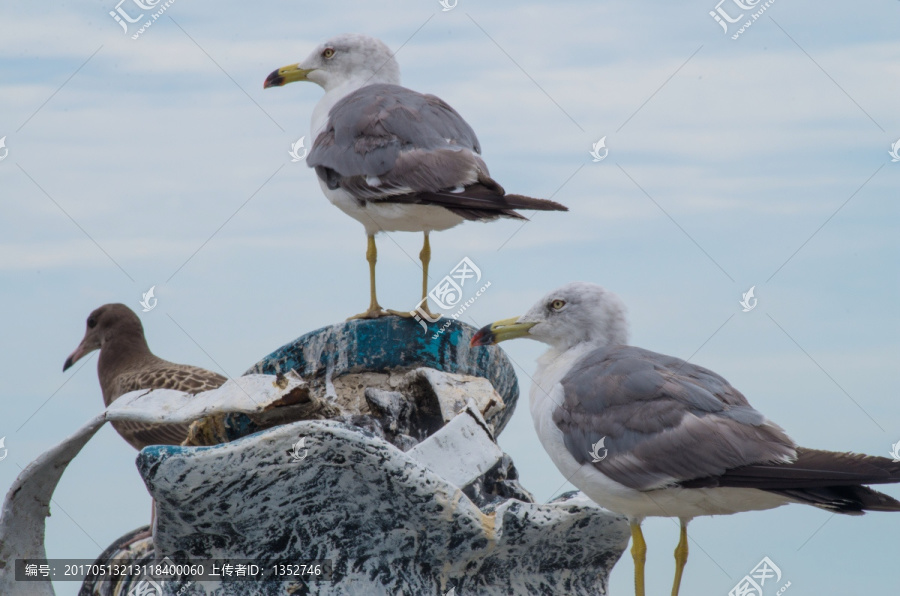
(523, 202)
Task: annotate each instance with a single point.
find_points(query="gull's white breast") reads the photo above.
(392, 217)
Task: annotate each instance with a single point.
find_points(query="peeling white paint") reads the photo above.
(461, 451)
(251, 393)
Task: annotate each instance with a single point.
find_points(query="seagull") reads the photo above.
(680, 441)
(126, 364)
(392, 158)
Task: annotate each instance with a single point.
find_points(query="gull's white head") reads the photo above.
(347, 58)
(577, 312)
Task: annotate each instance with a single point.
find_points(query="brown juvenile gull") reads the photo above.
(392, 158)
(645, 434)
(127, 364)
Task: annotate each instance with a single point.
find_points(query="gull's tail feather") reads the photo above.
(509, 202)
(485, 200)
(826, 479)
(852, 500)
(523, 202)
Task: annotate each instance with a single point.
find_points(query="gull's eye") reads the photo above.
(557, 304)
(328, 53)
(92, 322)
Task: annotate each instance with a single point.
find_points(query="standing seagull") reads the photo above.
(680, 441)
(126, 364)
(390, 157)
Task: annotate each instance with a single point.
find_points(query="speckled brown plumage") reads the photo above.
(127, 364)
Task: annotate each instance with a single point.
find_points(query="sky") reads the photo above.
(732, 159)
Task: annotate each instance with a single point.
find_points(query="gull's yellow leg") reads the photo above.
(375, 310)
(639, 554)
(425, 257)
(681, 556)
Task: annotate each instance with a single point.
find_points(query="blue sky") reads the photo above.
(758, 161)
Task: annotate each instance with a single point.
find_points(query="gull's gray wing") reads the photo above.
(392, 144)
(369, 131)
(665, 420)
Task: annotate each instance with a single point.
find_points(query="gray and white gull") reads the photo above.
(392, 158)
(644, 434)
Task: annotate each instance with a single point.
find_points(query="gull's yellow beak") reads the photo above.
(500, 331)
(285, 75)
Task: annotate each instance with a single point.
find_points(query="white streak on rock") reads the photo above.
(26, 507)
(251, 393)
